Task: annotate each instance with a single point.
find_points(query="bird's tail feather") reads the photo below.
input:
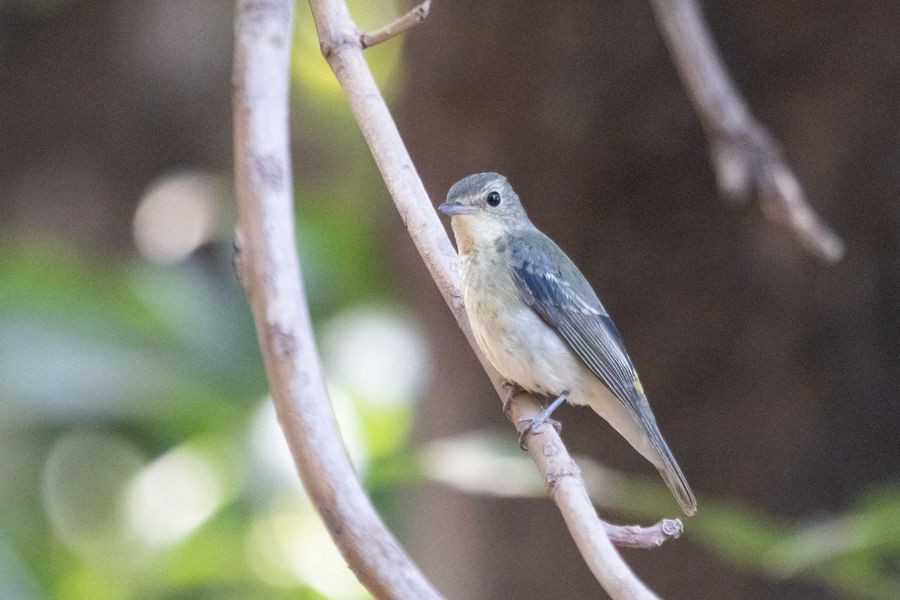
(635, 422)
(671, 472)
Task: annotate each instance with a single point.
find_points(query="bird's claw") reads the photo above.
(534, 426)
(534, 423)
(514, 388)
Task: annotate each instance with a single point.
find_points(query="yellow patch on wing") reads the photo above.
(637, 385)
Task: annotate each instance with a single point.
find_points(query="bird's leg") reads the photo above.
(514, 388)
(534, 424)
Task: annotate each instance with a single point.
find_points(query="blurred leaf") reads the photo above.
(386, 428)
(83, 583)
(40, 277)
(342, 263)
(213, 554)
(390, 471)
(84, 483)
(81, 339)
(16, 581)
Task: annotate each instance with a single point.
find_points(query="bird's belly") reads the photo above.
(526, 350)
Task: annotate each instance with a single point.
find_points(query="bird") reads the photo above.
(541, 325)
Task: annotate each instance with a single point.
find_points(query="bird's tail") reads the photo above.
(635, 422)
(670, 471)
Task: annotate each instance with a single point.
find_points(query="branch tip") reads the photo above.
(409, 20)
(645, 538)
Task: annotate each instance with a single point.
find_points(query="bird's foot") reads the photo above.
(534, 424)
(514, 388)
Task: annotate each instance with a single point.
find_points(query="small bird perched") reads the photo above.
(539, 322)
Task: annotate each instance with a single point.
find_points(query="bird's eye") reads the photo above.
(493, 199)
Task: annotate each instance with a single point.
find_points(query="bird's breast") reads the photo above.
(517, 342)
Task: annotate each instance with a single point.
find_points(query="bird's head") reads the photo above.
(483, 208)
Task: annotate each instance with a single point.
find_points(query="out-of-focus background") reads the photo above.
(139, 454)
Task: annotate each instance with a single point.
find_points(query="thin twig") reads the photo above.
(743, 152)
(395, 28)
(343, 49)
(634, 536)
(269, 269)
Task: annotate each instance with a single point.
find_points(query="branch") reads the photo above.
(634, 536)
(269, 269)
(407, 21)
(743, 152)
(342, 47)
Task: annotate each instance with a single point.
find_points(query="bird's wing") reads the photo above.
(560, 294)
(554, 287)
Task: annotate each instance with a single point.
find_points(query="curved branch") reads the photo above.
(743, 152)
(269, 270)
(341, 45)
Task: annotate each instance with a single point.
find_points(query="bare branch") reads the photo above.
(407, 21)
(269, 269)
(633, 536)
(743, 152)
(344, 54)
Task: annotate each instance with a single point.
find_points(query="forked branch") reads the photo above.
(269, 270)
(342, 46)
(743, 152)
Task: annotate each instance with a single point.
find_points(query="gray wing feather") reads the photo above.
(554, 287)
(560, 294)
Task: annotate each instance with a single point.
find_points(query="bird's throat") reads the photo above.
(465, 242)
(473, 234)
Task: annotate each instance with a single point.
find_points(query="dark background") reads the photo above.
(774, 377)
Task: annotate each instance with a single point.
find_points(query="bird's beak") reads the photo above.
(456, 208)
